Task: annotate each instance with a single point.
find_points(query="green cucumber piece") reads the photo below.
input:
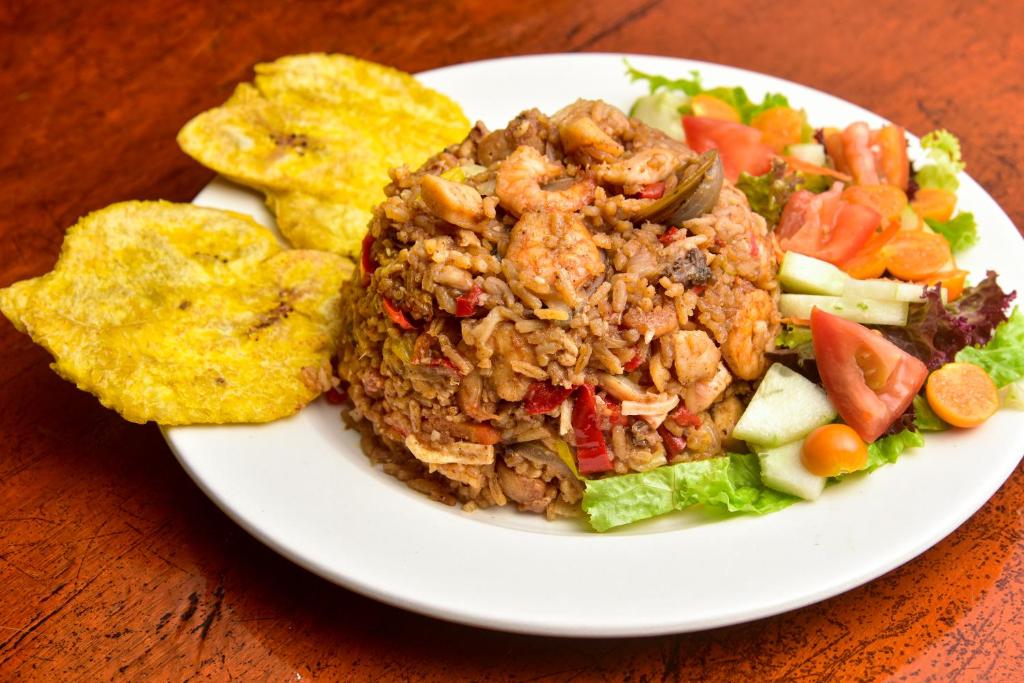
(809, 152)
(782, 470)
(661, 110)
(886, 290)
(867, 311)
(808, 275)
(786, 406)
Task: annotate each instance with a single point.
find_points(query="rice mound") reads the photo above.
(515, 267)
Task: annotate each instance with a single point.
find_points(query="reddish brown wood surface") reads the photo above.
(114, 565)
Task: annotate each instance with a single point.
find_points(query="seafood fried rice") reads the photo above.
(571, 296)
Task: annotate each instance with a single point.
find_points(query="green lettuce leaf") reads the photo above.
(943, 151)
(737, 97)
(690, 86)
(961, 232)
(888, 449)
(730, 483)
(768, 193)
(793, 336)
(925, 418)
(1003, 356)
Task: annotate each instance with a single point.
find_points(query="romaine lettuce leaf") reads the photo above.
(730, 483)
(1003, 356)
(961, 232)
(888, 449)
(925, 418)
(943, 151)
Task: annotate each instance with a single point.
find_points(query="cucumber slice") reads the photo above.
(782, 470)
(661, 111)
(810, 152)
(869, 311)
(886, 290)
(808, 275)
(786, 407)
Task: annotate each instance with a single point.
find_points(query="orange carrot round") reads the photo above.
(935, 203)
(714, 108)
(916, 254)
(962, 394)
(952, 280)
(780, 127)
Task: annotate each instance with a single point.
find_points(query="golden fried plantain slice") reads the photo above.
(184, 315)
(318, 134)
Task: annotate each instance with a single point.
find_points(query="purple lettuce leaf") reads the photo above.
(935, 332)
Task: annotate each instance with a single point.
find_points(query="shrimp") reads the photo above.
(695, 355)
(700, 395)
(608, 118)
(751, 334)
(520, 180)
(509, 345)
(583, 138)
(455, 203)
(546, 246)
(641, 168)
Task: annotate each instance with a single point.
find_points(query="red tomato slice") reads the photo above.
(739, 146)
(869, 380)
(825, 226)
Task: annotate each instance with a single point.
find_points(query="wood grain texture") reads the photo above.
(115, 566)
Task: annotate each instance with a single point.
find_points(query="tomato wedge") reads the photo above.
(739, 146)
(869, 380)
(825, 226)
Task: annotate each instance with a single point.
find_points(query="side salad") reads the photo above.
(883, 339)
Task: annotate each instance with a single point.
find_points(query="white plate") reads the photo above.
(303, 487)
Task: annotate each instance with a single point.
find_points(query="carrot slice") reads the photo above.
(934, 203)
(714, 108)
(780, 127)
(805, 167)
(887, 200)
(917, 255)
(962, 394)
(952, 280)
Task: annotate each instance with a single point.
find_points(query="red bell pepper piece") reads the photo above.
(335, 396)
(633, 363)
(682, 416)
(591, 450)
(652, 191)
(673, 444)
(366, 262)
(396, 315)
(543, 397)
(615, 416)
(669, 236)
(465, 305)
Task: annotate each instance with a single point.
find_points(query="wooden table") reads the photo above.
(114, 565)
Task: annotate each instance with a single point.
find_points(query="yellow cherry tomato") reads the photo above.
(833, 449)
